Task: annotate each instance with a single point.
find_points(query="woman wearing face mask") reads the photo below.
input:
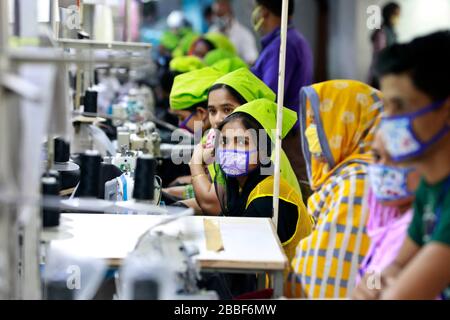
(188, 98)
(390, 211)
(188, 101)
(244, 184)
(337, 122)
(227, 93)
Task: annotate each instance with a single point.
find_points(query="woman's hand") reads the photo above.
(180, 181)
(202, 156)
(373, 284)
(368, 288)
(197, 155)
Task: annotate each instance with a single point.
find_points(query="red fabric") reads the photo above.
(262, 294)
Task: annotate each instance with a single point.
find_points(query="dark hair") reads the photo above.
(193, 108)
(236, 95)
(389, 11)
(425, 60)
(249, 123)
(208, 43)
(167, 79)
(208, 11)
(275, 6)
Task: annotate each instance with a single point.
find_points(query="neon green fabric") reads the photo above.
(216, 55)
(169, 40)
(192, 87)
(249, 86)
(185, 64)
(185, 44)
(220, 41)
(264, 111)
(230, 65)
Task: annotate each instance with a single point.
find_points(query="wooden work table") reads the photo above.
(250, 245)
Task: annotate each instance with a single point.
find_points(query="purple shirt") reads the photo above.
(299, 65)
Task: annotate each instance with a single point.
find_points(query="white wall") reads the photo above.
(341, 41)
(350, 50)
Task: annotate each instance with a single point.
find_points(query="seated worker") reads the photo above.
(337, 122)
(244, 183)
(201, 47)
(227, 93)
(209, 42)
(188, 101)
(416, 132)
(390, 201)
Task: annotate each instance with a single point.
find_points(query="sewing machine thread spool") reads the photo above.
(90, 101)
(90, 174)
(50, 187)
(123, 139)
(144, 178)
(62, 150)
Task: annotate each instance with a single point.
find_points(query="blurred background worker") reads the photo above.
(384, 37)
(242, 38)
(299, 69)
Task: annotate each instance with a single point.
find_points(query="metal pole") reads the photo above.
(281, 76)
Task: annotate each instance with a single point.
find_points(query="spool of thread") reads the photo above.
(50, 187)
(90, 174)
(123, 140)
(144, 178)
(58, 290)
(90, 101)
(81, 100)
(62, 150)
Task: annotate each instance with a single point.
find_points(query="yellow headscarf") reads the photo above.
(345, 113)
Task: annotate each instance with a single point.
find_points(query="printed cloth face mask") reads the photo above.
(399, 136)
(234, 162)
(389, 183)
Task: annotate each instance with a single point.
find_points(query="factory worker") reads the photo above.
(244, 156)
(338, 119)
(188, 101)
(244, 183)
(209, 42)
(188, 98)
(227, 93)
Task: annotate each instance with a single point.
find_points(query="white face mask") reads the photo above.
(222, 23)
(389, 183)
